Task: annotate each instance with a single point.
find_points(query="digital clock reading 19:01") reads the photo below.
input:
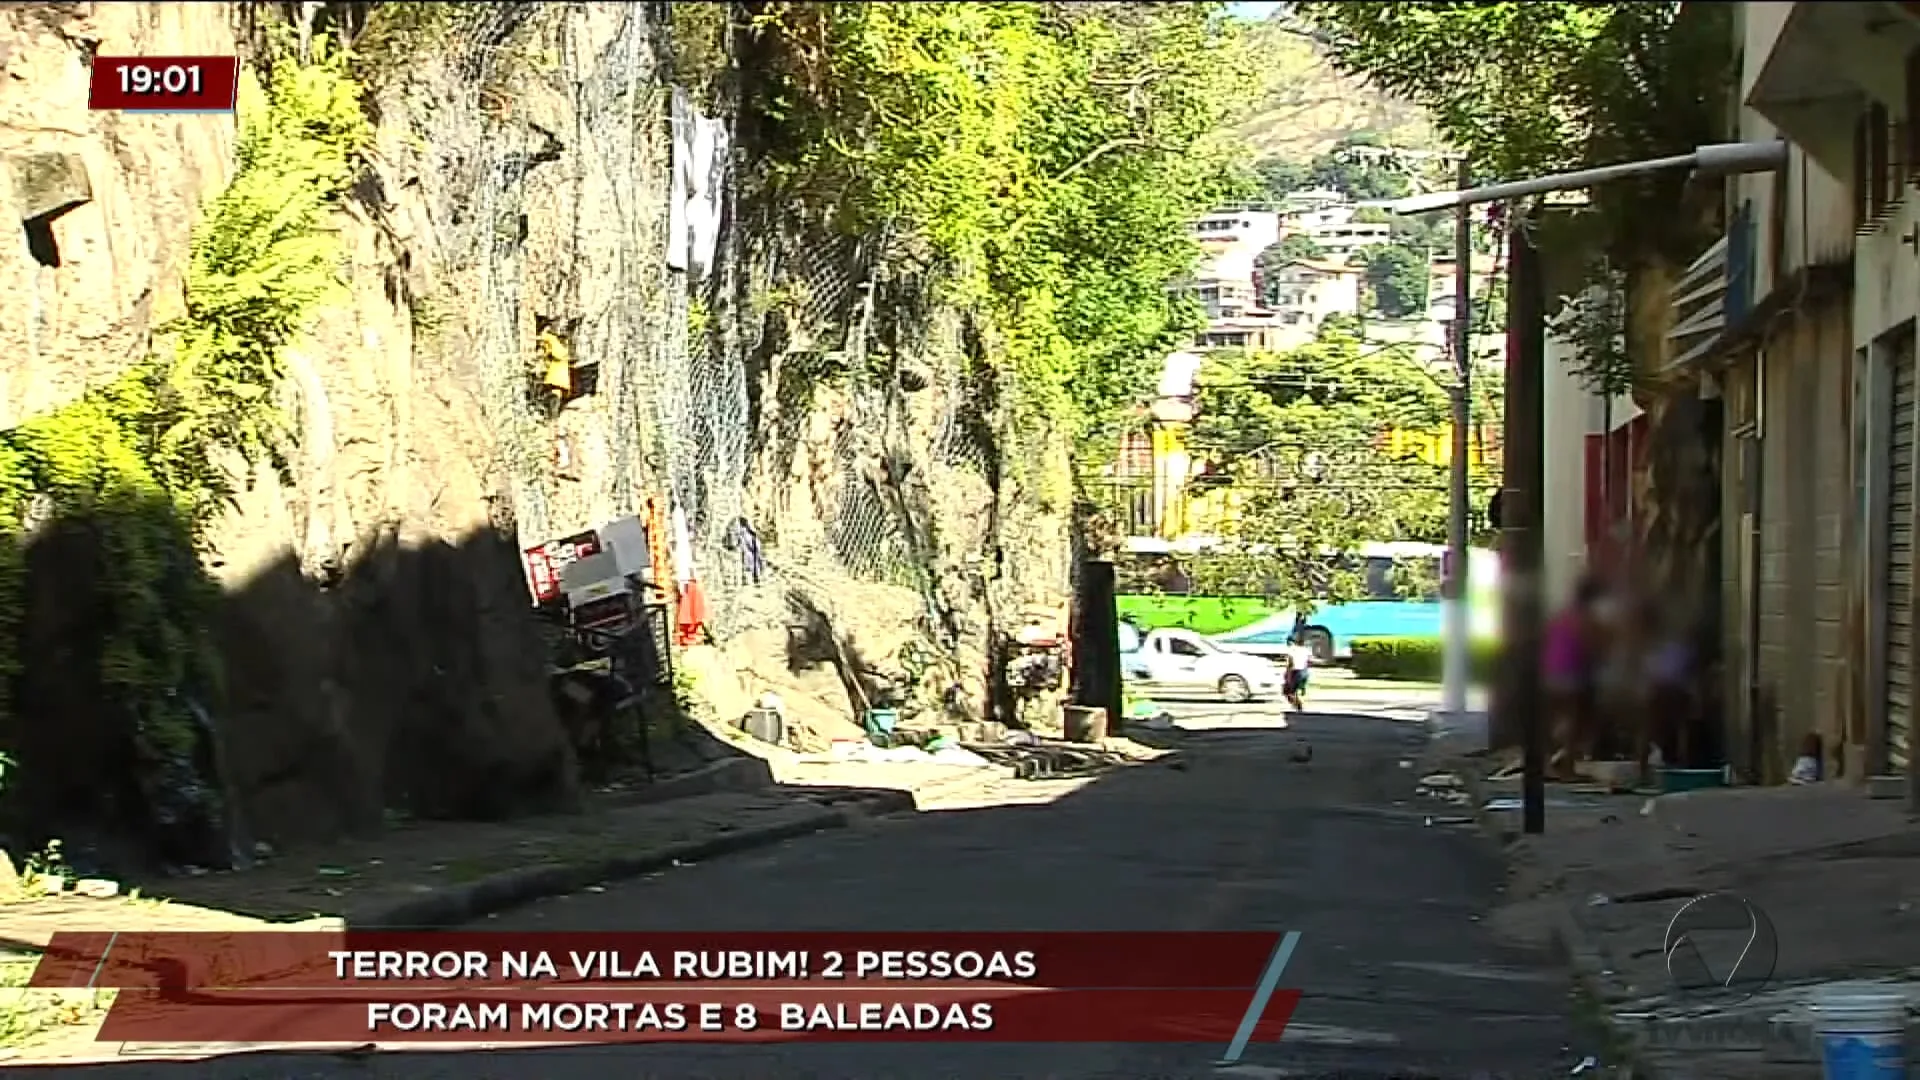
(164, 83)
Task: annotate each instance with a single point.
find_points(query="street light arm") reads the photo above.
(1721, 159)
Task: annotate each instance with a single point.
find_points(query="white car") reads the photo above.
(1180, 661)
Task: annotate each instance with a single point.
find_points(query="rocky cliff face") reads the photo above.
(378, 646)
(100, 202)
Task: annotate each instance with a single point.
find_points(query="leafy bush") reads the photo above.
(1050, 159)
(1418, 659)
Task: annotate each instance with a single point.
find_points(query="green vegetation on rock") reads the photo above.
(1304, 105)
(136, 470)
(1048, 158)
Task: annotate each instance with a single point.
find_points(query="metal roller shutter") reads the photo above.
(1900, 494)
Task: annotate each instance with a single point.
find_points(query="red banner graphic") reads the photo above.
(577, 1015)
(324, 961)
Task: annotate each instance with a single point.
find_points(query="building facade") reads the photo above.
(1804, 314)
(1308, 292)
(1341, 241)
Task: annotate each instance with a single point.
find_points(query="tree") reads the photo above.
(1357, 178)
(1353, 175)
(1044, 161)
(1276, 178)
(1297, 246)
(1397, 275)
(1535, 88)
(1292, 247)
(1296, 438)
(1425, 231)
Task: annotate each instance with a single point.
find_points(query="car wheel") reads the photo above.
(1235, 690)
(1320, 640)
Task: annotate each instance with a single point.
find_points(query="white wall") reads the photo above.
(1231, 254)
(1804, 215)
(1337, 294)
(1563, 517)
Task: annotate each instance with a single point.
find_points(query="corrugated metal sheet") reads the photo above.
(1900, 561)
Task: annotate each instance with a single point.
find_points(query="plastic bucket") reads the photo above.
(881, 722)
(1862, 1032)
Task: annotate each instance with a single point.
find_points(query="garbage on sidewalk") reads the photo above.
(947, 754)
(1444, 787)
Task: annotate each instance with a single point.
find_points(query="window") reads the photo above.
(1183, 647)
(1872, 169)
(1379, 575)
(1382, 578)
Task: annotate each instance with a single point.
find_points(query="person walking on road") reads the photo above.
(1299, 662)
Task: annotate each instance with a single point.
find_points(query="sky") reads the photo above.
(1253, 11)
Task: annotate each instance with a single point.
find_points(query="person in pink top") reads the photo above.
(1567, 676)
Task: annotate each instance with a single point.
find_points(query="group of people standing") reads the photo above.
(1620, 674)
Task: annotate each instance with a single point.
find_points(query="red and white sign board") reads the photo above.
(544, 563)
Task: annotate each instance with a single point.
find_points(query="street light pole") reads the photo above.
(1457, 666)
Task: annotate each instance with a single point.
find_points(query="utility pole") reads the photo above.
(1457, 666)
(1521, 548)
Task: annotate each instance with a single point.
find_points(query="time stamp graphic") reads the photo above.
(164, 84)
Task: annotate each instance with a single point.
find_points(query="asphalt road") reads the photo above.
(1400, 978)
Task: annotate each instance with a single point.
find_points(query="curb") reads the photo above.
(1601, 991)
(509, 889)
(744, 773)
(1591, 976)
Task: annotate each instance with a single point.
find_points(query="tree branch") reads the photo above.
(1105, 148)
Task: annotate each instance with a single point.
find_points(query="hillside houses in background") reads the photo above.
(1271, 276)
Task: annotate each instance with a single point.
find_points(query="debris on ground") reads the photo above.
(1443, 787)
(98, 888)
(947, 753)
(1047, 759)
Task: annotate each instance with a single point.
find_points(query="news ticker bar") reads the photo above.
(322, 960)
(581, 1015)
(487, 987)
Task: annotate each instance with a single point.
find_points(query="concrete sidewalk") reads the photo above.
(1837, 873)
